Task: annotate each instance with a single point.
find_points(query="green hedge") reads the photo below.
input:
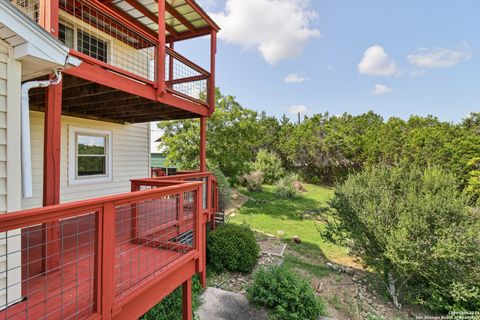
(232, 248)
(286, 295)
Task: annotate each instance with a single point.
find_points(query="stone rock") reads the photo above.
(350, 271)
(298, 186)
(234, 196)
(281, 233)
(296, 239)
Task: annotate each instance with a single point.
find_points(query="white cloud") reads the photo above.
(377, 62)
(330, 68)
(297, 108)
(295, 78)
(381, 89)
(278, 29)
(440, 57)
(207, 3)
(417, 73)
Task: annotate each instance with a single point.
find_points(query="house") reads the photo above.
(159, 166)
(85, 232)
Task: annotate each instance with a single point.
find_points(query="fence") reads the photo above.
(81, 259)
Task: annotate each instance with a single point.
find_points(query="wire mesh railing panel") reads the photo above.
(151, 234)
(49, 270)
(186, 78)
(30, 7)
(92, 32)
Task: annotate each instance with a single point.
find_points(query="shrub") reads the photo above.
(224, 190)
(170, 308)
(414, 228)
(472, 187)
(232, 248)
(285, 188)
(270, 165)
(285, 294)
(252, 181)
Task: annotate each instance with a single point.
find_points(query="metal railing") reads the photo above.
(84, 259)
(109, 39)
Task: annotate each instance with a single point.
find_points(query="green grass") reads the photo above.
(269, 214)
(296, 263)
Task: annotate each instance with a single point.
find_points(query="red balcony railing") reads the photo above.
(89, 259)
(111, 40)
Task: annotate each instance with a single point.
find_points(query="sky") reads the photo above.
(396, 58)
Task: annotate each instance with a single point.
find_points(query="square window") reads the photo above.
(90, 157)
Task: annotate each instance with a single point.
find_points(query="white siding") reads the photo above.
(10, 188)
(130, 152)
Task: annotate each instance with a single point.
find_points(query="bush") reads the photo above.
(414, 228)
(170, 308)
(285, 188)
(224, 190)
(270, 165)
(286, 295)
(472, 187)
(232, 248)
(252, 181)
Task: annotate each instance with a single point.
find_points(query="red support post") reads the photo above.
(48, 19)
(213, 51)
(108, 260)
(187, 300)
(161, 49)
(203, 144)
(51, 172)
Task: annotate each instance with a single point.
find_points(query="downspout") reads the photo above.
(25, 114)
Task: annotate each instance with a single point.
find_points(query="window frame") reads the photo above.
(75, 30)
(73, 177)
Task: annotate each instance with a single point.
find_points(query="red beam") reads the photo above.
(179, 17)
(150, 15)
(203, 14)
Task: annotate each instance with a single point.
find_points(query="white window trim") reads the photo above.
(72, 156)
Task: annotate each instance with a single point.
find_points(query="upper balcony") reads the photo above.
(123, 48)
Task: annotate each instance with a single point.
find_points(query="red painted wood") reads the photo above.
(104, 77)
(161, 49)
(51, 170)
(187, 300)
(212, 89)
(203, 144)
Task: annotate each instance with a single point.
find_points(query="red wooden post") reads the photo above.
(213, 51)
(203, 144)
(187, 300)
(134, 214)
(170, 65)
(108, 260)
(161, 49)
(48, 19)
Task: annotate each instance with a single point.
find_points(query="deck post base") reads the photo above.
(187, 299)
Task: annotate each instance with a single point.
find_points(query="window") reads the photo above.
(89, 155)
(83, 42)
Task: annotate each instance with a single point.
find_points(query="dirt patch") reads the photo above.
(238, 200)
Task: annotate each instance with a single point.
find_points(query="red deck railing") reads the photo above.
(94, 258)
(112, 41)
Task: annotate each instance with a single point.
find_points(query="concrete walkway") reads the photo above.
(225, 305)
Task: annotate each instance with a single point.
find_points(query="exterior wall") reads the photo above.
(10, 174)
(130, 157)
(121, 55)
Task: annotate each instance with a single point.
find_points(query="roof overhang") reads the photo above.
(184, 19)
(39, 51)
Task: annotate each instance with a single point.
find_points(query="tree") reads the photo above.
(414, 228)
(270, 165)
(233, 138)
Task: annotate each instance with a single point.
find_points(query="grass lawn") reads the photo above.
(270, 215)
